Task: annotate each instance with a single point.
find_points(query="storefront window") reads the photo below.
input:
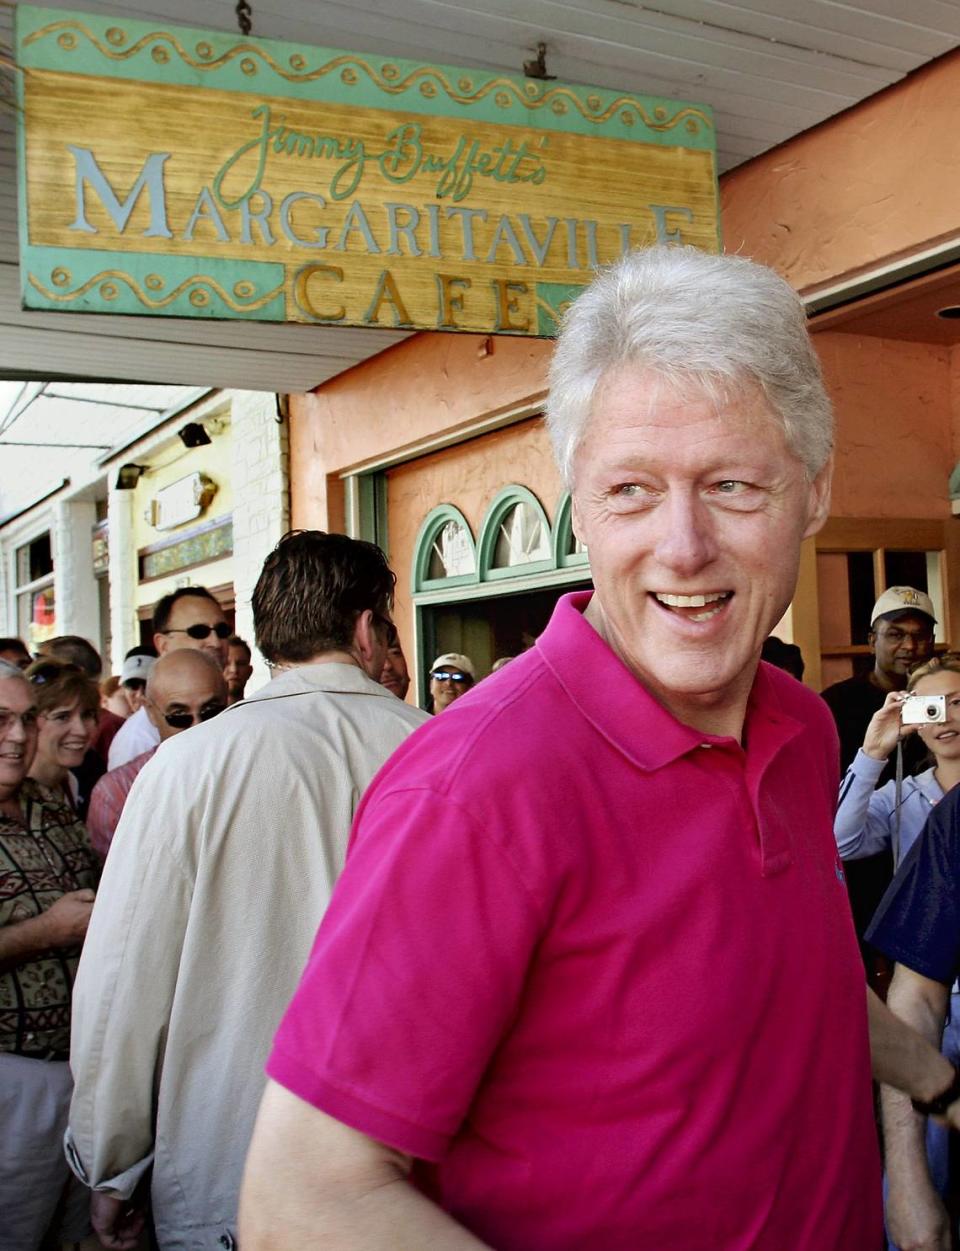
(523, 538)
(36, 606)
(451, 552)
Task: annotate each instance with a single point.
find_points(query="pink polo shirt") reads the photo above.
(596, 970)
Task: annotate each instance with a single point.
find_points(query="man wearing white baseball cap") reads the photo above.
(451, 675)
(134, 675)
(901, 636)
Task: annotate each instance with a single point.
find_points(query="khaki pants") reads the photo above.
(40, 1199)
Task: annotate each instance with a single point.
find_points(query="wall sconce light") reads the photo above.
(193, 435)
(129, 475)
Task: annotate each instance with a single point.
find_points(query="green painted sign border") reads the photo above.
(111, 47)
(125, 283)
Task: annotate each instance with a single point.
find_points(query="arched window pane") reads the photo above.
(451, 553)
(522, 538)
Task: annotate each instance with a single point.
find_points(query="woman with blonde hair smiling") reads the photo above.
(68, 708)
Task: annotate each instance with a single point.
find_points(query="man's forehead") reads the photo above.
(16, 695)
(187, 690)
(912, 622)
(196, 608)
(632, 397)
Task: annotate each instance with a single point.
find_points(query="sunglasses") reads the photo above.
(198, 631)
(184, 720)
(454, 675)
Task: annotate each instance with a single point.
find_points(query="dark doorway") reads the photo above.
(486, 629)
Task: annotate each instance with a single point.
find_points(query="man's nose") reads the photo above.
(686, 542)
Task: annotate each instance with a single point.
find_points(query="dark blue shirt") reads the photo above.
(918, 921)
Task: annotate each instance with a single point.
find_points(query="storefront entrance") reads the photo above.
(488, 628)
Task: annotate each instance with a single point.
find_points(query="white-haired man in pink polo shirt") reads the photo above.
(589, 981)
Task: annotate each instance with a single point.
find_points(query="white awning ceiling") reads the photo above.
(51, 430)
(769, 68)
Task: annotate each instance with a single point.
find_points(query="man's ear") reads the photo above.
(369, 643)
(160, 643)
(819, 500)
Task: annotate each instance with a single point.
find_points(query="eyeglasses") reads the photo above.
(27, 719)
(453, 675)
(199, 631)
(184, 720)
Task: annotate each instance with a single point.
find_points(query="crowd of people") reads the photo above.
(570, 966)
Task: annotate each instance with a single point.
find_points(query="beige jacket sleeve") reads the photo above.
(124, 991)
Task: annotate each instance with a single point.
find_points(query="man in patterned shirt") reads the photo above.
(184, 687)
(47, 875)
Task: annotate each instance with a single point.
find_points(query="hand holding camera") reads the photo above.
(886, 725)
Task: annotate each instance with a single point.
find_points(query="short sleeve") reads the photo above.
(415, 975)
(918, 921)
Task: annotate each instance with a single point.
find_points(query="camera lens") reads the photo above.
(932, 711)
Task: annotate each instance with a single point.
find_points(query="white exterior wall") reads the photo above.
(8, 603)
(261, 514)
(74, 583)
(124, 629)
(259, 468)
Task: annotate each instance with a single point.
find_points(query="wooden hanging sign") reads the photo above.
(191, 173)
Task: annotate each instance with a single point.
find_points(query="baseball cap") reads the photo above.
(136, 669)
(454, 660)
(897, 599)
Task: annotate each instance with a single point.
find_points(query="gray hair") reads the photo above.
(7, 670)
(692, 318)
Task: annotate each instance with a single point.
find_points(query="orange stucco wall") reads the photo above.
(878, 182)
(955, 403)
(896, 425)
(469, 476)
(428, 386)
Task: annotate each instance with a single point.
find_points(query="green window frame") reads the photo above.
(564, 557)
(430, 530)
(504, 502)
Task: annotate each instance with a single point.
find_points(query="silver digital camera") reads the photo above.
(923, 709)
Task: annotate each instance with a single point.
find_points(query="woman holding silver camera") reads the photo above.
(870, 820)
(866, 819)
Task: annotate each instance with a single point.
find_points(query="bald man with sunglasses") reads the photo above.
(185, 687)
(188, 618)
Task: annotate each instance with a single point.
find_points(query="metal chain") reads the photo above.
(245, 16)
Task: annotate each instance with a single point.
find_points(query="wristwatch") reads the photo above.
(939, 1104)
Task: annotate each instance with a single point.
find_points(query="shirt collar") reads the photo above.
(621, 708)
(333, 676)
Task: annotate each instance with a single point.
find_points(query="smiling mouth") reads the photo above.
(700, 607)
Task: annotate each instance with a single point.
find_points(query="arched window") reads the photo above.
(515, 537)
(445, 550)
(568, 551)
